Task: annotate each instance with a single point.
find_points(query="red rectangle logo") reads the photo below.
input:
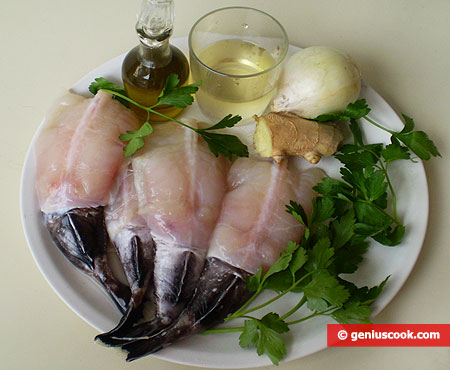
(388, 335)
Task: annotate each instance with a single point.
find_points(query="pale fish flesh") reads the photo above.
(78, 155)
(252, 230)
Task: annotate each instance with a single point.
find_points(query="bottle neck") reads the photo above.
(156, 55)
(154, 28)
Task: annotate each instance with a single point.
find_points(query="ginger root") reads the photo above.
(281, 134)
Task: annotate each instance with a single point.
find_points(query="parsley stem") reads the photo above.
(240, 312)
(245, 305)
(241, 328)
(391, 188)
(273, 299)
(223, 330)
(296, 307)
(310, 316)
(170, 118)
(124, 97)
(378, 125)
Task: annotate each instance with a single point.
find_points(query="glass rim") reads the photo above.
(281, 59)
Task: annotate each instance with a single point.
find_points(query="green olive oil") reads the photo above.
(147, 66)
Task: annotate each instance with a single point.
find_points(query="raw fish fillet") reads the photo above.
(130, 234)
(252, 230)
(254, 227)
(180, 187)
(133, 242)
(78, 156)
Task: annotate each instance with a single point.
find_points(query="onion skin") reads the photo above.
(317, 80)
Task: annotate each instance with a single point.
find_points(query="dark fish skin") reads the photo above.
(176, 275)
(136, 251)
(220, 291)
(80, 234)
(126, 333)
(177, 270)
(114, 337)
(137, 254)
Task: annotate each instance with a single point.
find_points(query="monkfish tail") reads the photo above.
(176, 275)
(221, 290)
(136, 252)
(80, 234)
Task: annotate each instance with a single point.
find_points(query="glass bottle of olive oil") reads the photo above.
(147, 66)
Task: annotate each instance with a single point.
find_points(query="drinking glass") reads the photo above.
(237, 53)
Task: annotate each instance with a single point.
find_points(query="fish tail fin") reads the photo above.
(80, 234)
(221, 290)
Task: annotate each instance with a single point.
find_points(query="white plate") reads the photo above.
(89, 301)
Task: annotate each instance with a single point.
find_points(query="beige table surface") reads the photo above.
(403, 49)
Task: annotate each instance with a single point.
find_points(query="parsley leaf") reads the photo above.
(332, 117)
(320, 257)
(353, 313)
(354, 110)
(250, 334)
(324, 290)
(349, 256)
(419, 143)
(298, 212)
(179, 97)
(356, 157)
(279, 282)
(369, 214)
(298, 260)
(323, 209)
(279, 277)
(101, 83)
(343, 229)
(390, 236)
(254, 281)
(364, 295)
(227, 121)
(227, 145)
(172, 82)
(394, 152)
(273, 321)
(357, 110)
(409, 124)
(333, 188)
(135, 139)
(283, 276)
(356, 131)
(264, 335)
(283, 262)
(376, 185)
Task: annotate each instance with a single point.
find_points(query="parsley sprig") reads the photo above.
(330, 247)
(365, 177)
(416, 141)
(181, 97)
(345, 215)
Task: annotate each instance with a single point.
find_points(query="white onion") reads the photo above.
(317, 80)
